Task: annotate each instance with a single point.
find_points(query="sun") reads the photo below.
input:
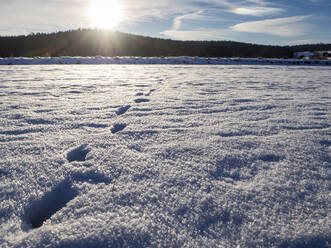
(105, 14)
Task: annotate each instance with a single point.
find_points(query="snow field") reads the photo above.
(165, 156)
(159, 60)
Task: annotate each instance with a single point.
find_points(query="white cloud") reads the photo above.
(257, 8)
(304, 42)
(256, 11)
(145, 10)
(194, 16)
(251, 7)
(52, 15)
(201, 34)
(287, 27)
(23, 17)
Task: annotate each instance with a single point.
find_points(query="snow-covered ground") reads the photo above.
(157, 60)
(165, 156)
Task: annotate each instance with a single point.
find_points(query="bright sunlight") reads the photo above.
(106, 14)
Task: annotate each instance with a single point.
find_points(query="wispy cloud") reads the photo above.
(73, 13)
(145, 10)
(194, 16)
(186, 19)
(286, 27)
(249, 7)
(252, 7)
(200, 34)
(256, 11)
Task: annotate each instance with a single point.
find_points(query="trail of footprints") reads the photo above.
(117, 127)
(60, 195)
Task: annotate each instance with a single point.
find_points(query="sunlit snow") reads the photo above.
(165, 156)
(160, 60)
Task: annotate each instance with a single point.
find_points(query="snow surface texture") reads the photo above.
(165, 156)
(159, 60)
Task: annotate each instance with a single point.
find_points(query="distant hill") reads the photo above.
(88, 42)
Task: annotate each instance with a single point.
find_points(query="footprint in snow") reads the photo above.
(57, 198)
(118, 127)
(270, 157)
(123, 109)
(3, 173)
(140, 100)
(325, 143)
(78, 153)
(150, 92)
(42, 209)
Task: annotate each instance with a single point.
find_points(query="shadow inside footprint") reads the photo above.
(53, 201)
(319, 241)
(118, 127)
(3, 173)
(140, 100)
(78, 153)
(123, 109)
(270, 157)
(325, 142)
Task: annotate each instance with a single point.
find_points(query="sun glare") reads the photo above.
(106, 14)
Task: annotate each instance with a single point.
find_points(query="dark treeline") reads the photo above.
(87, 42)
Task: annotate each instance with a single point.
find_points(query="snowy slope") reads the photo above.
(165, 156)
(159, 60)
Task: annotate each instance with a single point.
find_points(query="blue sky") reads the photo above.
(279, 22)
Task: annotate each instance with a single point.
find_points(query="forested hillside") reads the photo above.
(88, 42)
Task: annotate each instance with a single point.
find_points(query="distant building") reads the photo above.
(323, 54)
(313, 55)
(304, 55)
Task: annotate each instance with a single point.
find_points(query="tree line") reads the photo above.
(91, 42)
